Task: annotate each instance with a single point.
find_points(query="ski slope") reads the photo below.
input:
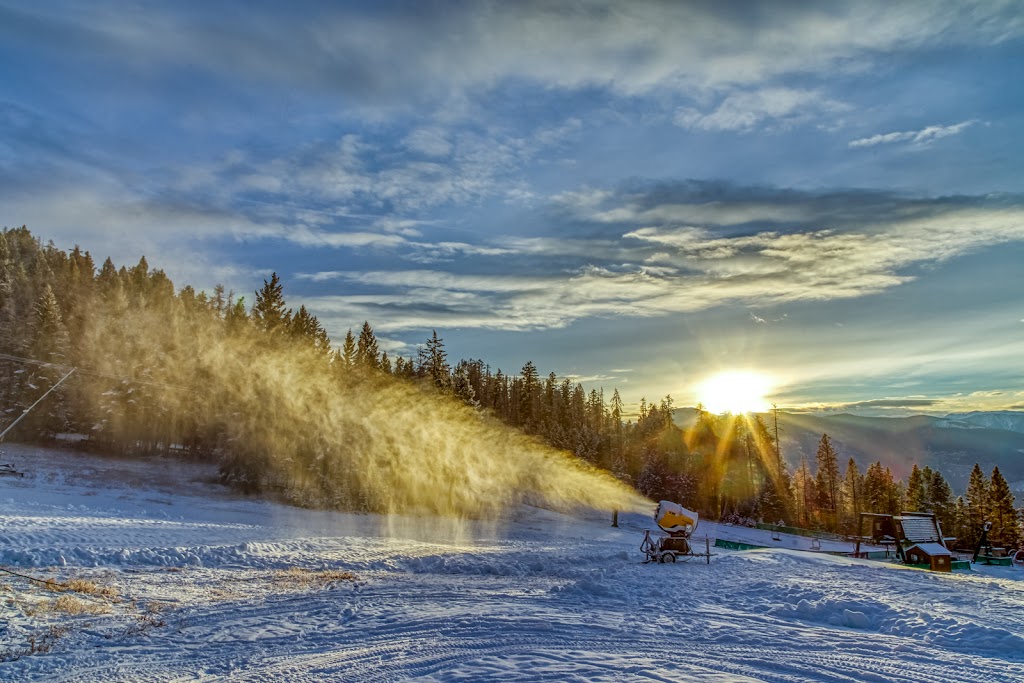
(211, 586)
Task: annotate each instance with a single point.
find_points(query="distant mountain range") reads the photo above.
(1007, 420)
(951, 444)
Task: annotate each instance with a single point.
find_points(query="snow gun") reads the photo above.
(679, 523)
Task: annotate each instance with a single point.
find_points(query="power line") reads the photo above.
(95, 373)
(38, 401)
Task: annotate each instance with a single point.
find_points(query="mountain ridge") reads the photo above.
(951, 444)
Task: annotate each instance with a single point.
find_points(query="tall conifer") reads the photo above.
(1003, 513)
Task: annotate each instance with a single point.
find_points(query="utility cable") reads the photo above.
(86, 371)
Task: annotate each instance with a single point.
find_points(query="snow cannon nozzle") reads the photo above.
(674, 519)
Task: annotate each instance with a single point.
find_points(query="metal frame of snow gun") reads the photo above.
(679, 523)
(671, 548)
(8, 470)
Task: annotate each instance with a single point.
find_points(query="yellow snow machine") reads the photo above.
(679, 523)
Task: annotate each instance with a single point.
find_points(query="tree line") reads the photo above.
(834, 501)
(157, 376)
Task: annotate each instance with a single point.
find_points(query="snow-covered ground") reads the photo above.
(212, 586)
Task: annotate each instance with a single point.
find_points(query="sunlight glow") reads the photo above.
(735, 392)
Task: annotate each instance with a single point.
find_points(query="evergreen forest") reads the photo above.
(261, 390)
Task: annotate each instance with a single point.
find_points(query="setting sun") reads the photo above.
(734, 392)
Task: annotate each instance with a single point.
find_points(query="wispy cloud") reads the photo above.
(744, 111)
(892, 403)
(923, 136)
(937, 405)
(699, 268)
(398, 180)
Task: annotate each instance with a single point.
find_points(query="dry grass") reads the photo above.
(225, 594)
(91, 588)
(37, 643)
(73, 604)
(299, 578)
(51, 584)
(67, 604)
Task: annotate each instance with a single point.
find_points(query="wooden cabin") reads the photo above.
(916, 537)
(934, 556)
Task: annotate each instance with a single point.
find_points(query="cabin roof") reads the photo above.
(932, 549)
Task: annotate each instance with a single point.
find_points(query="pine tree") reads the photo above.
(306, 328)
(434, 363)
(367, 353)
(269, 312)
(894, 494)
(1003, 513)
(978, 501)
(140, 276)
(462, 386)
(529, 395)
(219, 303)
(51, 344)
(853, 494)
(941, 502)
(876, 489)
(348, 352)
(107, 282)
(236, 319)
(966, 536)
(916, 493)
(804, 493)
(827, 481)
(617, 411)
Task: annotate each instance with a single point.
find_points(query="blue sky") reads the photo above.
(633, 194)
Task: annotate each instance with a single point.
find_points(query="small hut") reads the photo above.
(934, 556)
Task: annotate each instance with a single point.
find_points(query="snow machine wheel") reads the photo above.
(667, 558)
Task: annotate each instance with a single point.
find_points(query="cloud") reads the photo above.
(431, 143)
(922, 137)
(589, 379)
(378, 54)
(392, 181)
(132, 226)
(744, 111)
(879, 241)
(892, 403)
(319, 238)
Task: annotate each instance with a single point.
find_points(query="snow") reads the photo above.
(933, 549)
(214, 586)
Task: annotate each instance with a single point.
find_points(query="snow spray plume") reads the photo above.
(289, 421)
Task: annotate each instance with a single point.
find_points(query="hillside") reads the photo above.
(951, 444)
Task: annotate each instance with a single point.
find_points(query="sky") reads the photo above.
(634, 195)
